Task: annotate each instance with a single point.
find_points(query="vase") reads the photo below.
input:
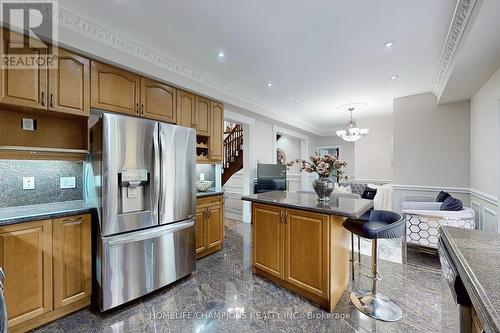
(323, 186)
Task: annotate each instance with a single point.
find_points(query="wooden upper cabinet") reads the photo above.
(22, 87)
(215, 226)
(114, 89)
(202, 116)
(158, 101)
(26, 257)
(268, 239)
(306, 251)
(72, 255)
(185, 109)
(69, 84)
(216, 131)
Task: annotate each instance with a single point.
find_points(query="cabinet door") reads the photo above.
(158, 101)
(72, 259)
(26, 257)
(114, 89)
(268, 239)
(216, 131)
(185, 109)
(215, 226)
(202, 116)
(22, 87)
(200, 230)
(306, 251)
(69, 84)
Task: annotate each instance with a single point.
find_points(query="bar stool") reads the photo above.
(381, 224)
(365, 217)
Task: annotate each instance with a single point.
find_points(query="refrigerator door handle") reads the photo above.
(156, 174)
(161, 190)
(151, 233)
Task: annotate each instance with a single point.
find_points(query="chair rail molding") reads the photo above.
(491, 199)
(458, 25)
(86, 27)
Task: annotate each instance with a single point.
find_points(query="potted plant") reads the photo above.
(326, 167)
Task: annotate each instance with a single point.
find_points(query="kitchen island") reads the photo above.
(300, 243)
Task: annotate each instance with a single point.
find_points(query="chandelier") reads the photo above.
(352, 133)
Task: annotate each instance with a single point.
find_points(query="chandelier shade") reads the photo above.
(352, 133)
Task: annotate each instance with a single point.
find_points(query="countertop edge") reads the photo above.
(477, 294)
(309, 209)
(45, 216)
(208, 194)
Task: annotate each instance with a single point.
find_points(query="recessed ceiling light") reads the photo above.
(269, 84)
(394, 77)
(388, 44)
(221, 54)
(297, 100)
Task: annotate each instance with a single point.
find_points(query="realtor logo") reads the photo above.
(29, 37)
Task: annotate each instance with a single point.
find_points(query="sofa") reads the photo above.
(424, 217)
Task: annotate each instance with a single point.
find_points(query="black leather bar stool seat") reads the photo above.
(380, 224)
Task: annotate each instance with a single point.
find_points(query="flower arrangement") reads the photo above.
(325, 166)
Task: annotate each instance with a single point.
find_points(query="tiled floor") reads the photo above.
(224, 296)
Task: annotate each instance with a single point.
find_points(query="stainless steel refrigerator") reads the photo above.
(141, 178)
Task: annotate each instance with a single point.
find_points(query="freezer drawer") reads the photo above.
(137, 263)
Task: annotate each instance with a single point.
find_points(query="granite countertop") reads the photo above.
(338, 204)
(210, 192)
(476, 255)
(19, 214)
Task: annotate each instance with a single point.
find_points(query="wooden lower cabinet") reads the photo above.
(303, 251)
(26, 257)
(209, 225)
(268, 235)
(47, 267)
(72, 262)
(306, 248)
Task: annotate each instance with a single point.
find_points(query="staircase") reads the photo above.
(233, 153)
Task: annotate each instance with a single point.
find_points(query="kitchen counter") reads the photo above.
(338, 204)
(210, 192)
(19, 214)
(476, 255)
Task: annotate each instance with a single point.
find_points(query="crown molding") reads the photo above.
(458, 25)
(95, 31)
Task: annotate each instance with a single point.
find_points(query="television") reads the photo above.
(270, 177)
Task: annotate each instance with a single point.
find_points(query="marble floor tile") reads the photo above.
(223, 295)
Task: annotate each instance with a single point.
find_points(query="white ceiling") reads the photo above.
(325, 52)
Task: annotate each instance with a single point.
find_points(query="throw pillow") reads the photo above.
(369, 193)
(342, 189)
(451, 204)
(441, 197)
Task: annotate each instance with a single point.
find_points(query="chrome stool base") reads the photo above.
(377, 306)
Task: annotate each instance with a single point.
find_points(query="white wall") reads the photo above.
(484, 152)
(291, 148)
(373, 153)
(431, 142)
(431, 147)
(347, 151)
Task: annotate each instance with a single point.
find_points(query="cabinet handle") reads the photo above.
(142, 108)
(43, 98)
(51, 100)
(137, 107)
(286, 217)
(282, 217)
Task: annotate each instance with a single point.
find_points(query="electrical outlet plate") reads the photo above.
(28, 124)
(28, 183)
(67, 182)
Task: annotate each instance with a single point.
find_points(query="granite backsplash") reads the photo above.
(47, 184)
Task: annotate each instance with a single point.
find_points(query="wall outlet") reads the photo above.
(67, 182)
(28, 124)
(28, 183)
